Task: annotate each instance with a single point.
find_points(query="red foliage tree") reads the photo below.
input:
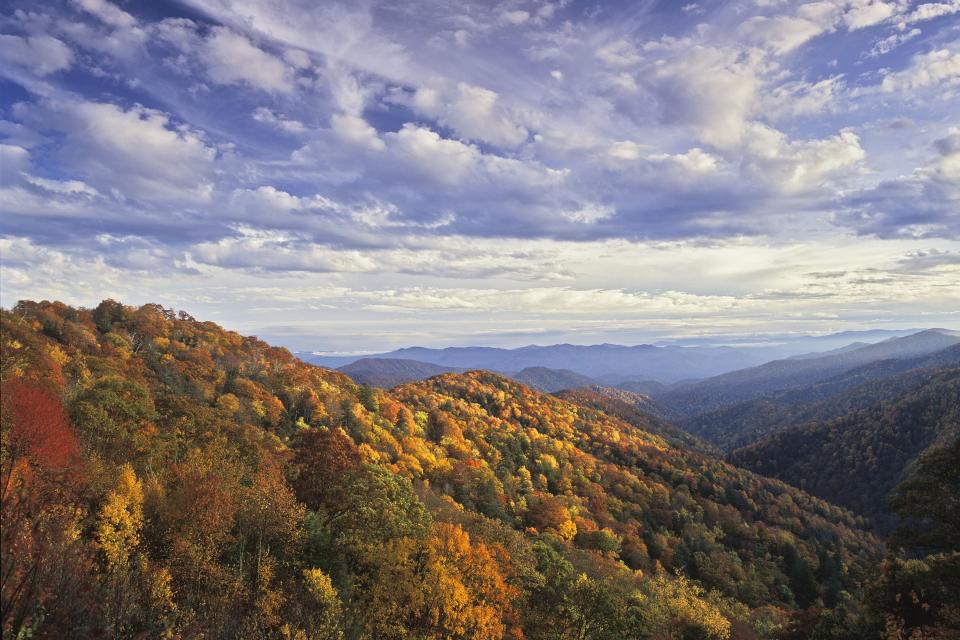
(36, 432)
(38, 463)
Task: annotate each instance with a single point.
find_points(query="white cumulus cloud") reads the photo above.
(42, 54)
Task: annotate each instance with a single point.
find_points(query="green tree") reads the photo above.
(115, 418)
(376, 507)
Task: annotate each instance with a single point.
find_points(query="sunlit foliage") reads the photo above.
(165, 478)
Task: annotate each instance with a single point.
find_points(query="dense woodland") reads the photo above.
(165, 478)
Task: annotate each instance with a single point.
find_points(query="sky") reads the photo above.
(358, 176)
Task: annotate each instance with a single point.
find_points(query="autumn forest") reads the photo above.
(165, 478)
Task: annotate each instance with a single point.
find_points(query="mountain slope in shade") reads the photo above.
(643, 387)
(550, 380)
(638, 400)
(855, 460)
(389, 372)
(634, 409)
(780, 375)
(740, 424)
(853, 346)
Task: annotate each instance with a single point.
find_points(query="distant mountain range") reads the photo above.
(779, 375)
(550, 380)
(745, 422)
(389, 372)
(612, 364)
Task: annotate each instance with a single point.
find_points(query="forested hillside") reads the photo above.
(855, 460)
(555, 466)
(165, 478)
(646, 387)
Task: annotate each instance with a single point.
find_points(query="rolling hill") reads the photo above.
(635, 409)
(643, 387)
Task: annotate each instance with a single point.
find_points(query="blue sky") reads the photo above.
(363, 175)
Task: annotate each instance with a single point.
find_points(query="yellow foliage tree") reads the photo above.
(451, 588)
(121, 518)
(467, 595)
(228, 403)
(681, 603)
(326, 610)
